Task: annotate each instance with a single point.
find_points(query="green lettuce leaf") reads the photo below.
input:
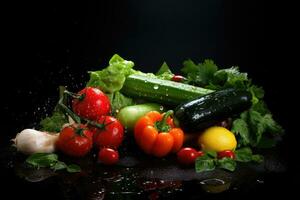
(118, 101)
(112, 78)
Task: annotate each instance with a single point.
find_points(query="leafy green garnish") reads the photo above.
(204, 163)
(211, 154)
(245, 155)
(200, 74)
(226, 163)
(59, 166)
(209, 161)
(42, 160)
(163, 69)
(112, 78)
(257, 158)
(254, 124)
(226, 78)
(118, 101)
(164, 72)
(73, 168)
(51, 161)
(54, 122)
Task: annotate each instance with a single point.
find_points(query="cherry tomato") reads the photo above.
(91, 103)
(178, 78)
(226, 153)
(111, 134)
(75, 140)
(188, 155)
(108, 156)
(200, 153)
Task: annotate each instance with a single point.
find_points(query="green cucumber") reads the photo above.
(161, 91)
(195, 115)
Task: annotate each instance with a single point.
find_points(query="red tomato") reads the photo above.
(188, 155)
(108, 156)
(110, 135)
(75, 140)
(226, 153)
(200, 153)
(178, 78)
(91, 103)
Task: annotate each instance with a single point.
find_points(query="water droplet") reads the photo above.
(161, 108)
(155, 87)
(259, 181)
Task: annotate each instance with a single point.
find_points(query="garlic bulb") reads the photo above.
(31, 141)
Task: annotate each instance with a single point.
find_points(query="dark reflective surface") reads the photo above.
(138, 176)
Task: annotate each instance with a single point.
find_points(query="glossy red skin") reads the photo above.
(226, 153)
(108, 156)
(200, 153)
(73, 144)
(187, 155)
(111, 135)
(94, 104)
(178, 78)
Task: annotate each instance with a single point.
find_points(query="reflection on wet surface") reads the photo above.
(136, 176)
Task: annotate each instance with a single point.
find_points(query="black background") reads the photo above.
(51, 44)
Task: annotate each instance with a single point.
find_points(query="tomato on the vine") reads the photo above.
(75, 140)
(108, 156)
(109, 134)
(90, 103)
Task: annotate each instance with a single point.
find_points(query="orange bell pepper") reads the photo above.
(156, 134)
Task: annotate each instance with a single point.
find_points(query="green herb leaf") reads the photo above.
(42, 160)
(189, 67)
(73, 168)
(226, 163)
(257, 158)
(200, 74)
(271, 125)
(163, 69)
(257, 93)
(204, 163)
(50, 160)
(212, 154)
(243, 154)
(54, 122)
(230, 77)
(261, 107)
(59, 166)
(240, 127)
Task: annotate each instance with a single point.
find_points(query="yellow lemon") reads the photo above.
(217, 139)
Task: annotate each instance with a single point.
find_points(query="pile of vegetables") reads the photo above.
(209, 117)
